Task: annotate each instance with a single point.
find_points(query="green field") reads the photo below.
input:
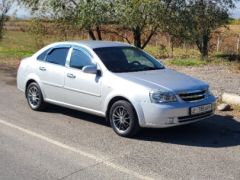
(18, 44)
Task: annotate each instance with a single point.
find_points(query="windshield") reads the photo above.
(127, 59)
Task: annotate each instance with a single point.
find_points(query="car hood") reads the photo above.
(165, 79)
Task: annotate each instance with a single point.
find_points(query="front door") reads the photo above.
(84, 90)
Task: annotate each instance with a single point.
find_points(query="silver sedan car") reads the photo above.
(122, 83)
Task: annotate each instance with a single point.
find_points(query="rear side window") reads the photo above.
(58, 56)
(42, 56)
(79, 59)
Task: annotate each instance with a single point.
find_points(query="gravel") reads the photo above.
(220, 78)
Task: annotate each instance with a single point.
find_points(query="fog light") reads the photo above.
(170, 120)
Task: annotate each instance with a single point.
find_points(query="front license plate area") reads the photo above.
(201, 109)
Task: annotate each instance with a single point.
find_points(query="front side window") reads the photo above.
(79, 59)
(57, 56)
(127, 59)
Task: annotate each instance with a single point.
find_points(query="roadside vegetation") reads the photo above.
(186, 33)
(190, 22)
(18, 43)
(4, 8)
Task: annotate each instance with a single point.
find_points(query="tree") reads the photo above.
(92, 14)
(194, 20)
(142, 18)
(201, 18)
(175, 25)
(4, 8)
(83, 14)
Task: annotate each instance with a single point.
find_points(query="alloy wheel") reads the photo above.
(121, 119)
(33, 96)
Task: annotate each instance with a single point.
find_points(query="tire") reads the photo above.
(34, 97)
(123, 119)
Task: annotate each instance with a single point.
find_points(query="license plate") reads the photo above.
(201, 109)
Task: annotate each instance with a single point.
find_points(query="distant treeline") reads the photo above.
(140, 22)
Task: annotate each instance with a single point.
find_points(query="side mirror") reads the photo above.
(90, 69)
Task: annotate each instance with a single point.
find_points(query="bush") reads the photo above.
(39, 32)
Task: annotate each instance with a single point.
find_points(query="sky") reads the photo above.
(22, 12)
(236, 12)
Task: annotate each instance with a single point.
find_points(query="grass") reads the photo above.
(234, 22)
(17, 45)
(13, 47)
(162, 52)
(12, 53)
(186, 62)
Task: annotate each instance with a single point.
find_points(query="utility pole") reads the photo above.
(238, 42)
(218, 42)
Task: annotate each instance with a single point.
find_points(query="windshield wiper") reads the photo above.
(151, 68)
(137, 69)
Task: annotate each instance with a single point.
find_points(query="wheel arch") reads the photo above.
(115, 99)
(33, 78)
(28, 83)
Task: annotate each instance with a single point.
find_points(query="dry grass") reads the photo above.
(10, 64)
(236, 111)
(235, 28)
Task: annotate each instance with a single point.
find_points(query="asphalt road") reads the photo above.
(66, 144)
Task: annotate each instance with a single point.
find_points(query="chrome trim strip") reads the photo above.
(51, 84)
(192, 92)
(192, 96)
(70, 89)
(83, 92)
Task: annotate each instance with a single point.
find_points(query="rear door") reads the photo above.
(51, 72)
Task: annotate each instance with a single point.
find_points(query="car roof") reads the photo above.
(99, 44)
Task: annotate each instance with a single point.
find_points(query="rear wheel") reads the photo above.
(34, 97)
(123, 119)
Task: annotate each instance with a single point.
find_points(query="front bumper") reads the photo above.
(173, 114)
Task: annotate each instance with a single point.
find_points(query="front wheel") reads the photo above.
(34, 97)
(123, 119)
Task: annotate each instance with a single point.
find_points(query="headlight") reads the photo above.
(162, 97)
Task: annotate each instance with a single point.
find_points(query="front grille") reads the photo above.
(194, 117)
(193, 96)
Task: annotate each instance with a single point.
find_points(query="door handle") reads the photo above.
(72, 76)
(42, 69)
